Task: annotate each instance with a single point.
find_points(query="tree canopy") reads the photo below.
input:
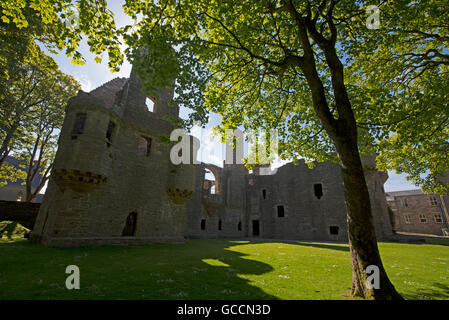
(334, 84)
(33, 96)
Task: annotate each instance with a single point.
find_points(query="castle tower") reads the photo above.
(112, 180)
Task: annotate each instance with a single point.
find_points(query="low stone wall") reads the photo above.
(23, 212)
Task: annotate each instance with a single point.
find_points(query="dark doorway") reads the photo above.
(318, 188)
(256, 229)
(130, 226)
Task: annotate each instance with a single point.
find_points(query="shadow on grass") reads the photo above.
(197, 269)
(322, 245)
(430, 293)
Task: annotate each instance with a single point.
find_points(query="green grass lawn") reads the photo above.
(214, 269)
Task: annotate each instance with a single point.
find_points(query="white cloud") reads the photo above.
(86, 84)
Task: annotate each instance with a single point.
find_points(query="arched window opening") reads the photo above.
(144, 146)
(130, 225)
(211, 179)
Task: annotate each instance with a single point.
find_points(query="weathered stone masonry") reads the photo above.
(113, 183)
(295, 203)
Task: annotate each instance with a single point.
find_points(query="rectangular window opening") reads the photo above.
(280, 210)
(318, 190)
(407, 219)
(433, 201)
(405, 202)
(422, 218)
(333, 230)
(109, 133)
(78, 127)
(151, 104)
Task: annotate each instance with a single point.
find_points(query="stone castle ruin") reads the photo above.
(113, 183)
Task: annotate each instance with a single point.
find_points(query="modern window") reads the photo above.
(404, 202)
(422, 218)
(318, 190)
(433, 201)
(407, 219)
(280, 211)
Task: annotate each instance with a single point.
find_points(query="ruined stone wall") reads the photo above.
(113, 183)
(248, 204)
(221, 214)
(117, 189)
(302, 214)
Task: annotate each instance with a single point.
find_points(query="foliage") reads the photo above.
(12, 229)
(33, 95)
(59, 25)
(396, 76)
(402, 76)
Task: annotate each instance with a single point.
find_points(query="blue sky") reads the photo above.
(92, 75)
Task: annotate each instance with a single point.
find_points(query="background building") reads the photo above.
(415, 212)
(16, 190)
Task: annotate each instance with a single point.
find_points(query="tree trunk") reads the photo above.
(5, 143)
(362, 236)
